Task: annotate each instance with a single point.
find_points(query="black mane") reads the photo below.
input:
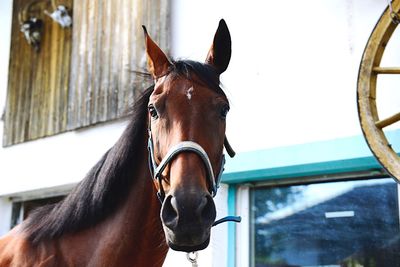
(108, 183)
(103, 188)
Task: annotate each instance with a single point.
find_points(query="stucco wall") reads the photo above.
(294, 67)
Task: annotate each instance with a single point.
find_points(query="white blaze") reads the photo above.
(189, 93)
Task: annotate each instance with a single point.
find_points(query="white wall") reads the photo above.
(292, 79)
(294, 67)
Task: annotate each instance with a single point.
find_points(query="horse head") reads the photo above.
(187, 120)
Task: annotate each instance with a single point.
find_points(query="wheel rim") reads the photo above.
(372, 126)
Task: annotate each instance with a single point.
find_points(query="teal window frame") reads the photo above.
(299, 163)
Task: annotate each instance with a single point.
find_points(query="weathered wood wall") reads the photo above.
(82, 75)
(108, 45)
(38, 81)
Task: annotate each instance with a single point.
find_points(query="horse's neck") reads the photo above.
(140, 224)
(133, 236)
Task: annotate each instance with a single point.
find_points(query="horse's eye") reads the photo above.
(224, 111)
(152, 111)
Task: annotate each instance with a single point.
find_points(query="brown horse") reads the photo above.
(113, 217)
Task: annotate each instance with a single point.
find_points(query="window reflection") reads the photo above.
(344, 224)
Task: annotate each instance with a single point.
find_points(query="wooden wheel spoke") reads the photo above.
(386, 70)
(388, 121)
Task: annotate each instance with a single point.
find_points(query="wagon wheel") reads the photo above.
(371, 124)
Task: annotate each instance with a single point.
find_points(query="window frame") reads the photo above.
(17, 200)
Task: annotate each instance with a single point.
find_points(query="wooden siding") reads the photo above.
(73, 84)
(108, 45)
(37, 85)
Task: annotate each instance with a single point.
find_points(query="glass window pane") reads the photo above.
(343, 224)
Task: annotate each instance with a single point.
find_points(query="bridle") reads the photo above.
(156, 170)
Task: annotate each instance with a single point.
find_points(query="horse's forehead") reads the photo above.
(178, 87)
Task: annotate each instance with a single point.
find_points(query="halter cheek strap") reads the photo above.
(185, 146)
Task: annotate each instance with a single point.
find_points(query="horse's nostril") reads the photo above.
(208, 213)
(188, 211)
(169, 212)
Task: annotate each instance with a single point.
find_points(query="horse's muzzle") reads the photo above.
(187, 219)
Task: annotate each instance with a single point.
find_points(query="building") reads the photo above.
(292, 85)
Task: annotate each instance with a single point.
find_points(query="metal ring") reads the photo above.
(192, 257)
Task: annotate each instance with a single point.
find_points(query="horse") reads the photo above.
(153, 190)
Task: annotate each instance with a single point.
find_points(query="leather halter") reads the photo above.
(189, 146)
(156, 170)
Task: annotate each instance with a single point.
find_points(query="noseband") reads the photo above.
(156, 170)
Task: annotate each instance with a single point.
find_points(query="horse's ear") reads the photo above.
(157, 62)
(220, 51)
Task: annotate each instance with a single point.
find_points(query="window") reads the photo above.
(21, 209)
(335, 224)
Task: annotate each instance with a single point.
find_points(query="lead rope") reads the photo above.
(192, 256)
